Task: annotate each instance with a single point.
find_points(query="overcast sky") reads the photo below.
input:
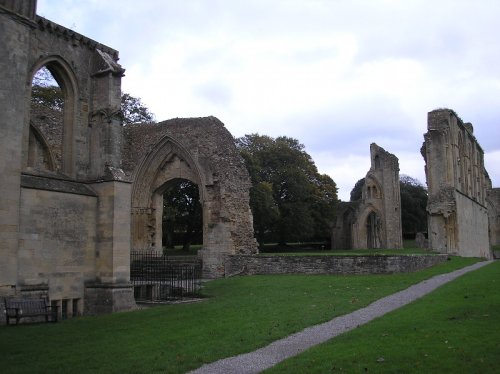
(336, 75)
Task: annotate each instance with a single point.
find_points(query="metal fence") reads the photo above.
(157, 278)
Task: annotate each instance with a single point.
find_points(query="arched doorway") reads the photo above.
(203, 152)
(165, 166)
(182, 217)
(373, 231)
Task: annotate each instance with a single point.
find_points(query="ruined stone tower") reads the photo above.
(457, 187)
(375, 220)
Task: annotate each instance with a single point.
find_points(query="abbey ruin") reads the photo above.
(79, 191)
(374, 221)
(460, 193)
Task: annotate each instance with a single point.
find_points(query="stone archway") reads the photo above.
(202, 151)
(369, 229)
(166, 162)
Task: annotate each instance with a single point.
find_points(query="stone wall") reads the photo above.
(57, 240)
(493, 203)
(68, 196)
(200, 150)
(375, 220)
(252, 265)
(62, 193)
(457, 186)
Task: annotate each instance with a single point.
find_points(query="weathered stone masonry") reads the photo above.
(457, 186)
(252, 265)
(61, 219)
(73, 182)
(375, 220)
(200, 150)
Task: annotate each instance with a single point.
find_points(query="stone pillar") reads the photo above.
(14, 92)
(106, 116)
(216, 246)
(111, 291)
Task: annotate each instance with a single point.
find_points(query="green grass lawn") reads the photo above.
(239, 315)
(452, 330)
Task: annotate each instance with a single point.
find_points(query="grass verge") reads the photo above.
(452, 330)
(241, 315)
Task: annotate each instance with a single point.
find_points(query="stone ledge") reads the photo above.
(55, 184)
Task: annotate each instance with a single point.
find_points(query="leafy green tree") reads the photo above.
(289, 199)
(182, 215)
(134, 111)
(264, 209)
(46, 92)
(357, 190)
(324, 206)
(413, 205)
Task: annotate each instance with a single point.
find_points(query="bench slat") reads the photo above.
(19, 308)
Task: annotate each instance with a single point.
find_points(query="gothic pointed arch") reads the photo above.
(203, 151)
(65, 77)
(166, 161)
(372, 188)
(40, 155)
(371, 228)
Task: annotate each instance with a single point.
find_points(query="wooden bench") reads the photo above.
(29, 307)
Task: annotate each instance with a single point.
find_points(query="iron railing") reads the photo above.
(157, 278)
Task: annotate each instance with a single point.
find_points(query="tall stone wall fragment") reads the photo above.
(375, 220)
(61, 226)
(203, 151)
(457, 187)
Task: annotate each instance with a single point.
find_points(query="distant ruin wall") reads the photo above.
(493, 199)
(374, 221)
(457, 187)
(253, 265)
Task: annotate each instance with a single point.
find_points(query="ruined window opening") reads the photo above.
(46, 124)
(53, 100)
(461, 161)
(182, 222)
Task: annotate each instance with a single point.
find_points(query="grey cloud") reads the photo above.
(353, 127)
(214, 92)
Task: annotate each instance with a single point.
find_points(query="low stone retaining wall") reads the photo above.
(261, 264)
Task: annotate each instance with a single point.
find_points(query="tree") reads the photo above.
(264, 210)
(357, 190)
(413, 205)
(289, 199)
(182, 214)
(134, 111)
(46, 92)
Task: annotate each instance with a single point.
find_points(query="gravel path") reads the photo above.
(263, 358)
